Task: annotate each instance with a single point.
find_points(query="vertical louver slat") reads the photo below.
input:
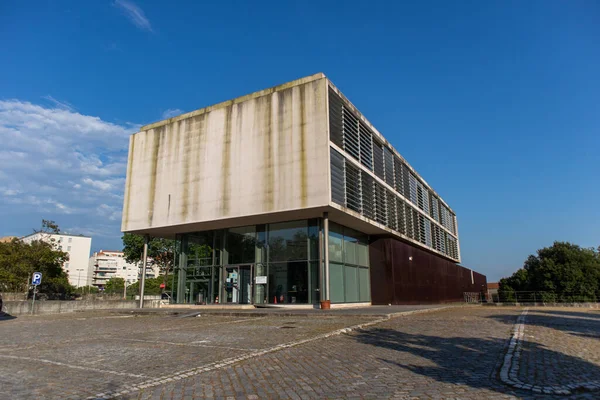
(388, 158)
(413, 189)
(400, 216)
(351, 141)
(378, 159)
(352, 187)
(380, 208)
(416, 225)
(335, 119)
(435, 208)
(391, 210)
(366, 146)
(442, 240)
(398, 176)
(408, 220)
(422, 234)
(428, 239)
(406, 181)
(338, 188)
(368, 196)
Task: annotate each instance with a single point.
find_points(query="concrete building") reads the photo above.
(107, 264)
(289, 195)
(78, 247)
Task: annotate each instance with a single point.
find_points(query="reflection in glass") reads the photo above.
(288, 241)
(288, 282)
(241, 245)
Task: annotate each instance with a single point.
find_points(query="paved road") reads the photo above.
(454, 353)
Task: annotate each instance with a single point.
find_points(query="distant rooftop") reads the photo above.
(56, 234)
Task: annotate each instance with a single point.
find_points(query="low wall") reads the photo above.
(9, 296)
(58, 306)
(405, 274)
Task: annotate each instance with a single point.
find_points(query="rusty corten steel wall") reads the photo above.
(428, 278)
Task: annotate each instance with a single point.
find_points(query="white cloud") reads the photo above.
(59, 104)
(135, 14)
(171, 112)
(57, 162)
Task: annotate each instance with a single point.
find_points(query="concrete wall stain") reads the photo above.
(158, 134)
(226, 167)
(184, 135)
(268, 175)
(199, 134)
(128, 185)
(303, 155)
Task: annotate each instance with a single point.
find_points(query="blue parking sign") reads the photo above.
(37, 278)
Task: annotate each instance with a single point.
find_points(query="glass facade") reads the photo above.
(348, 265)
(270, 263)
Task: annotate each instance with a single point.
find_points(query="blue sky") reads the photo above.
(496, 103)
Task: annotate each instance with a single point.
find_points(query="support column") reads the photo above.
(182, 275)
(326, 257)
(144, 263)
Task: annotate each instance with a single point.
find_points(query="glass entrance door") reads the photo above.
(238, 284)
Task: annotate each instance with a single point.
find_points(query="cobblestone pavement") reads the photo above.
(559, 351)
(453, 353)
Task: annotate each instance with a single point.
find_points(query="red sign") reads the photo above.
(162, 285)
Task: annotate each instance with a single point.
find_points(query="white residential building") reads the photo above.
(107, 264)
(77, 246)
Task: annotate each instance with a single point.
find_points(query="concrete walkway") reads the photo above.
(371, 311)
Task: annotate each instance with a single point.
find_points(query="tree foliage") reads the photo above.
(160, 250)
(563, 272)
(114, 285)
(151, 286)
(19, 260)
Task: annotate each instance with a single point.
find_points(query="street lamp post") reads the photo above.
(79, 276)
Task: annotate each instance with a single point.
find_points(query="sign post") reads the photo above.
(36, 279)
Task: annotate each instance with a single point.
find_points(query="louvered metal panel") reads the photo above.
(380, 209)
(352, 188)
(335, 119)
(368, 195)
(422, 231)
(350, 125)
(388, 158)
(416, 224)
(366, 146)
(453, 223)
(398, 176)
(406, 181)
(428, 238)
(378, 159)
(413, 189)
(408, 221)
(442, 240)
(435, 208)
(400, 216)
(391, 210)
(338, 187)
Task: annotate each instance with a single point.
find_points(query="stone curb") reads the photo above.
(509, 372)
(234, 360)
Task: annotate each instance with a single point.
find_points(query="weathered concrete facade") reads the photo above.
(277, 196)
(262, 153)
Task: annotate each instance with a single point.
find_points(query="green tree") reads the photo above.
(162, 251)
(114, 285)
(563, 271)
(151, 286)
(86, 290)
(19, 260)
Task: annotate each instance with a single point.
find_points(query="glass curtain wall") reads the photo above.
(348, 265)
(284, 259)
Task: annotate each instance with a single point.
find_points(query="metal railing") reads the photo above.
(530, 297)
